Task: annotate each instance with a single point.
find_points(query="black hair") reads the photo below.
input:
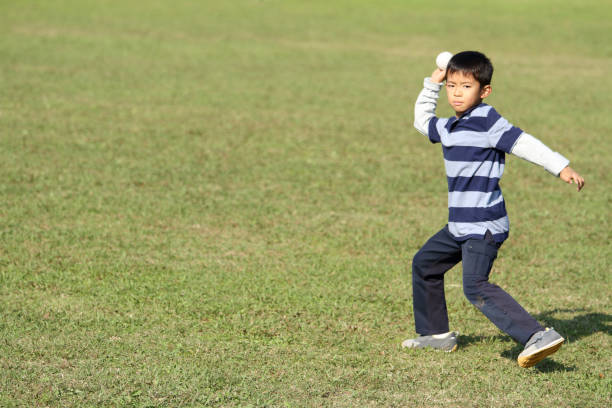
(472, 62)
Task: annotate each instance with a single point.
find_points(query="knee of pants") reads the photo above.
(473, 290)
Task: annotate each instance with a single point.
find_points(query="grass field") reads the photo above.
(216, 203)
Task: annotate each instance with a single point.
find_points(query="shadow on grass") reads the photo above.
(573, 329)
(579, 326)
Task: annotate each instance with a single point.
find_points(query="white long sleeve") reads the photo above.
(425, 106)
(531, 149)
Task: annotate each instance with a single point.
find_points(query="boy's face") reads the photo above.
(464, 91)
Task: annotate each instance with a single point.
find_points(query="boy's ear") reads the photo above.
(485, 91)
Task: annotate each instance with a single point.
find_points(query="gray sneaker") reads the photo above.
(445, 341)
(540, 345)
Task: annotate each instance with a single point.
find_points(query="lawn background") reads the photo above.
(216, 203)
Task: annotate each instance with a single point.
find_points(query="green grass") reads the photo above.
(217, 203)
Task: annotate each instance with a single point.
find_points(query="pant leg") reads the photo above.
(439, 254)
(496, 304)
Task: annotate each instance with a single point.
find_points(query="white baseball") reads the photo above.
(442, 59)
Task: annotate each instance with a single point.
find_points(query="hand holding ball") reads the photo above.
(442, 59)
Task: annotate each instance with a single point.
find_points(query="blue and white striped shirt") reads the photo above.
(474, 148)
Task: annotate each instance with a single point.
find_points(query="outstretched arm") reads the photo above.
(425, 106)
(531, 149)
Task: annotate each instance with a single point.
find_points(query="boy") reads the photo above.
(474, 143)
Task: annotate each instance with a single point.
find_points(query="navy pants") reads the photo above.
(439, 254)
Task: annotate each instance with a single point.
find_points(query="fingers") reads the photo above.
(580, 182)
(571, 177)
(576, 178)
(438, 75)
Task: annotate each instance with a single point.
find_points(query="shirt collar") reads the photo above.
(468, 112)
(466, 115)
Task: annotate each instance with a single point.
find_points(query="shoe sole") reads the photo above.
(535, 358)
(434, 348)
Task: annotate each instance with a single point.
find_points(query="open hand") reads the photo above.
(570, 176)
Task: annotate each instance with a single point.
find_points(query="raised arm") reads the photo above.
(531, 149)
(425, 106)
